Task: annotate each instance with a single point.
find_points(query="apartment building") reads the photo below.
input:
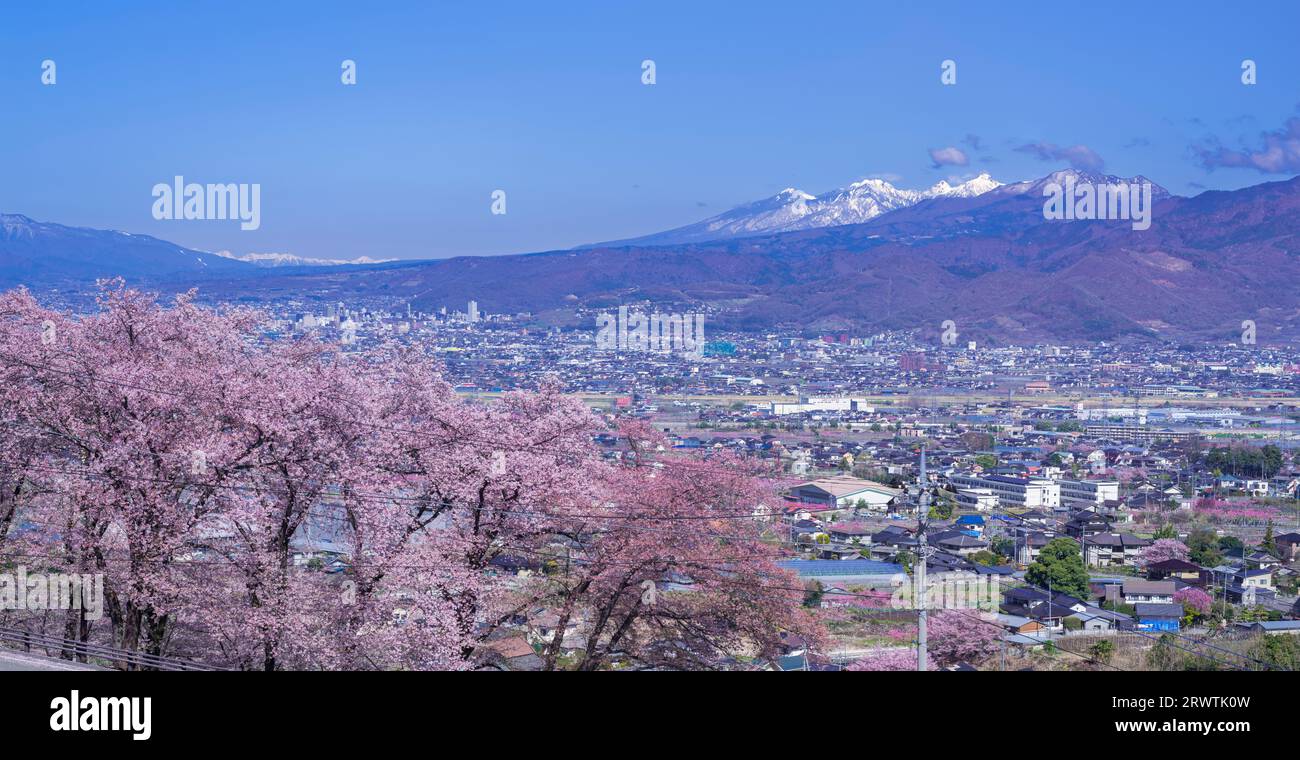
(1014, 492)
(1078, 493)
(1138, 434)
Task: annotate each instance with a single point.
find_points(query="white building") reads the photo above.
(843, 491)
(980, 499)
(1014, 492)
(819, 404)
(1088, 492)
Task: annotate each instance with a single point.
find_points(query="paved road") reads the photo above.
(14, 661)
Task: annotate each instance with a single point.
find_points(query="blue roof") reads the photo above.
(1279, 625)
(972, 519)
(813, 567)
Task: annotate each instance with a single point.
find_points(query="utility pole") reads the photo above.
(922, 550)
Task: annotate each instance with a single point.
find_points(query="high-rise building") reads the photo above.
(473, 311)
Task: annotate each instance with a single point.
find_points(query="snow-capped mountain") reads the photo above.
(290, 260)
(793, 209)
(1034, 188)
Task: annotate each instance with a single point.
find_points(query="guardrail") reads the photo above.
(57, 645)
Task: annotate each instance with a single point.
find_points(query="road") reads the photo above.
(19, 661)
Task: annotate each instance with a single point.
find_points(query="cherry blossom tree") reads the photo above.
(952, 636)
(896, 658)
(1163, 550)
(1195, 601)
(268, 504)
(668, 569)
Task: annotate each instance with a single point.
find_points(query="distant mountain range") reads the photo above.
(793, 209)
(290, 260)
(45, 255)
(988, 260)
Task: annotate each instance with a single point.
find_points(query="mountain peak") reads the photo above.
(978, 185)
(1078, 176)
(793, 194)
(793, 209)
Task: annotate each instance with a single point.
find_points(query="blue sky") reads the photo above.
(545, 101)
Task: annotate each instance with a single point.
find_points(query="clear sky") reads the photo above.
(544, 100)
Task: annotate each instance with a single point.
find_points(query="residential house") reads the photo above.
(510, 652)
(849, 533)
(1139, 591)
(1097, 620)
(1086, 523)
(1153, 616)
(838, 552)
(972, 525)
(1019, 624)
(957, 542)
(1113, 549)
(1029, 544)
(1262, 560)
(1174, 569)
(1288, 544)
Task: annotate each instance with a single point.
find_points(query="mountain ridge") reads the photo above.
(793, 209)
(992, 262)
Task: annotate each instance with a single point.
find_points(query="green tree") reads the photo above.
(1004, 546)
(941, 510)
(1269, 544)
(813, 593)
(1167, 531)
(1232, 546)
(1060, 565)
(1102, 651)
(987, 461)
(1204, 545)
(1280, 652)
(1163, 656)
